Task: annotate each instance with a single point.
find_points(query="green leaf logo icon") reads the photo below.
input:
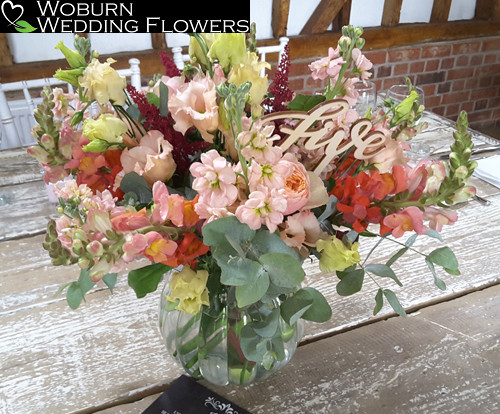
(24, 27)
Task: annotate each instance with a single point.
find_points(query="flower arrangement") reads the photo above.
(216, 173)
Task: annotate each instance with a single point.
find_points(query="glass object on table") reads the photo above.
(367, 99)
(399, 92)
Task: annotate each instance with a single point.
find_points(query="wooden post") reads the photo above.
(440, 11)
(487, 10)
(323, 16)
(392, 12)
(5, 55)
(343, 17)
(158, 41)
(279, 23)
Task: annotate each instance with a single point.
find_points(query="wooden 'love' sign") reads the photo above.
(317, 126)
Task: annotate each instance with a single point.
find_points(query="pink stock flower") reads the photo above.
(328, 66)
(437, 218)
(409, 219)
(152, 158)
(268, 175)
(362, 63)
(264, 206)
(257, 143)
(194, 104)
(167, 206)
(214, 180)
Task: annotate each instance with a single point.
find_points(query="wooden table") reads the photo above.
(108, 357)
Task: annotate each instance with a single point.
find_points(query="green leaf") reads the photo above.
(267, 327)
(295, 306)
(239, 271)
(383, 271)
(25, 27)
(305, 102)
(394, 302)
(283, 269)
(411, 240)
(134, 183)
(396, 256)
(379, 302)
(163, 103)
(438, 282)
(214, 233)
(351, 282)
(77, 290)
(153, 99)
(110, 280)
(253, 291)
(254, 347)
(266, 242)
(146, 279)
(133, 111)
(434, 234)
(444, 257)
(320, 310)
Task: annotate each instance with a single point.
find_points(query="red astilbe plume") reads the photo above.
(168, 63)
(281, 94)
(183, 150)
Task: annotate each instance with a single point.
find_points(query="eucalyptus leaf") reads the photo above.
(239, 271)
(396, 256)
(268, 327)
(351, 282)
(379, 301)
(284, 270)
(383, 271)
(253, 291)
(394, 302)
(110, 280)
(163, 102)
(305, 102)
(437, 281)
(320, 310)
(254, 347)
(295, 306)
(444, 257)
(214, 233)
(134, 183)
(77, 290)
(434, 234)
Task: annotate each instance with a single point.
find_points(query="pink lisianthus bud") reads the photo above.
(95, 248)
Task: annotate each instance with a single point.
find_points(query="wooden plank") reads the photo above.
(302, 47)
(440, 11)
(343, 18)
(322, 16)
(159, 41)
(6, 58)
(392, 12)
(487, 10)
(442, 359)
(279, 22)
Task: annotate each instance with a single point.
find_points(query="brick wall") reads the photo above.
(455, 76)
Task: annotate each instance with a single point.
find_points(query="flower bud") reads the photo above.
(95, 248)
(77, 247)
(74, 58)
(461, 172)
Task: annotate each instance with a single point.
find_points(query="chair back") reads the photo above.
(16, 115)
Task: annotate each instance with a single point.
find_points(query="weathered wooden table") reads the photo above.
(108, 357)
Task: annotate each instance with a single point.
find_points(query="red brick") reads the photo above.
(466, 48)
(384, 71)
(430, 77)
(491, 44)
(458, 85)
(471, 83)
(388, 82)
(476, 60)
(462, 60)
(432, 64)
(436, 51)
(439, 110)
(488, 70)
(485, 81)
(490, 58)
(447, 63)
(429, 89)
(480, 93)
(299, 68)
(452, 110)
(296, 84)
(400, 69)
(454, 97)
(481, 104)
(480, 116)
(403, 55)
(467, 106)
(417, 67)
(432, 101)
(444, 87)
(377, 58)
(460, 73)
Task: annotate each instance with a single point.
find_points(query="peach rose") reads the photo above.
(152, 158)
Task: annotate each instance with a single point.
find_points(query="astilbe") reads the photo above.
(168, 63)
(279, 90)
(183, 150)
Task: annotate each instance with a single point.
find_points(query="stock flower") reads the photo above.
(189, 289)
(362, 63)
(336, 256)
(194, 104)
(167, 206)
(103, 83)
(264, 206)
(151, 159)
(328, 66)
(258, 144)
(214, 180)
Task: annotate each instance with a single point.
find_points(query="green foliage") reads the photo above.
(77, 290)
(134, 183)
(305, 102)
(146, 279)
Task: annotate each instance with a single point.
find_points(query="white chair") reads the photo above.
(17, 115)
(180, 58)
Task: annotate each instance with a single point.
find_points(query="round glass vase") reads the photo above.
(227, 345)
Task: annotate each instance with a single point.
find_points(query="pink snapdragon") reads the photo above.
(408, 219)
(167, 206)
(134, 246)
(214, 180)
(264, 206)
(438, 218)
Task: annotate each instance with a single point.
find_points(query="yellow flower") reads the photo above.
(249, 70)
(189, 288)
(107, 128)
(228, 49)
(336, 255)
(195, 51)
(103, 83)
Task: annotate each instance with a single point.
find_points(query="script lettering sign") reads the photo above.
(317, 126)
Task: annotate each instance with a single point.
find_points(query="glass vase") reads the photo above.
(225, 344)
